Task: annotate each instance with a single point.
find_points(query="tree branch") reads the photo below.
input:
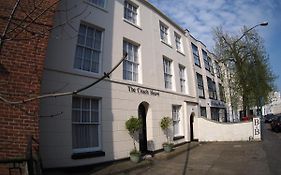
(106, 75)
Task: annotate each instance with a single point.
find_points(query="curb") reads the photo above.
(127, 166)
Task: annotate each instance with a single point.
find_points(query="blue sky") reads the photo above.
(201, 16)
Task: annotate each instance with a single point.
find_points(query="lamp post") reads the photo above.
(233, 48)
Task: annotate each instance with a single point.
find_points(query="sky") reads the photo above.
(201, 16)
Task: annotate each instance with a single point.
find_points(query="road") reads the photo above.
(226, 158)
(272, 147)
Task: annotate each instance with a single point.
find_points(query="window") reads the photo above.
(164, 33)
(211, 65)
(178, 42)
(212, 89)
(218, 70)
(182, 78)
(130, 12)
(176, 120)
(195, 55)
(100, 3)
(167, 64)
(222, 94)
(203, 111)
(200, 85)
(88, 49)
(86, 124)
(130, 65)
(205, 58)
(208, 62)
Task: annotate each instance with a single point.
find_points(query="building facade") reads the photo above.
(209, 83)
(157, 79)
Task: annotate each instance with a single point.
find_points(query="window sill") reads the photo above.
(198, 65)
(96, 6)
(178, 138)
(180, 52)
(134, 25)
(201, 97)
(167, 44)
(86, 155)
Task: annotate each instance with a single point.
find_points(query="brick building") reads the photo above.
(24, 29)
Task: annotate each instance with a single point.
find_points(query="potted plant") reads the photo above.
(165, 124)
(133, 125)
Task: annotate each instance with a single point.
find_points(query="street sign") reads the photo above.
(256, 128)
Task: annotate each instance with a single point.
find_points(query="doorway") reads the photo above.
(142, 112)
(191, 127)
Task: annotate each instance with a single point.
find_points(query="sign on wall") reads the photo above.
(257, 128)
(143, 91)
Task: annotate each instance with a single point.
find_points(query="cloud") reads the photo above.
(201, 16)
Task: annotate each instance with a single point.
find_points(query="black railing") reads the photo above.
(32, 160)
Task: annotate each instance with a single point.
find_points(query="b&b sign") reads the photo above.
(257, 128)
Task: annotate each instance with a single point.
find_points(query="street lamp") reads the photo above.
(261, 24)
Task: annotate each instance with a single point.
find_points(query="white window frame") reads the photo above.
(195, 53)
(182, 78)
(177, 120)
(132, 60)
(131, 12)
(164, 32)
(178, 42)
(168, 76)
(200, 86)
(81, 110)
(97, 3)
(83, 38)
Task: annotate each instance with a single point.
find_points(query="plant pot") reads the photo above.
(167, 147)
(135, 158)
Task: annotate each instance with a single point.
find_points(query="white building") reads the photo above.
(274, 107)
(156, 80)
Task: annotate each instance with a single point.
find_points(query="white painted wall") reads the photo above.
(208, 130)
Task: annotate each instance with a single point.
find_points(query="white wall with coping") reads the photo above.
(206, 130)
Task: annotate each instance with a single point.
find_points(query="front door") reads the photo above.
(191, 127)
(142, 133)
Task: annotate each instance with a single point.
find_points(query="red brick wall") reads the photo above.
(21, 66)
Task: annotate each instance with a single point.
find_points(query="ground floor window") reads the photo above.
(86, 124)
(203, 111)
(176, 115)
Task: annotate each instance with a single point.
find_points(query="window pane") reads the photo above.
(90, 38)
(76, 116)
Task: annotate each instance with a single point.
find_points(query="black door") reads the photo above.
(191, 127)
(142, 133)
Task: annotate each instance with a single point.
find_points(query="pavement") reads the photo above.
(196, 158)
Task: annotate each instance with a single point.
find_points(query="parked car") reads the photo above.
(276, 124)
(268, 118)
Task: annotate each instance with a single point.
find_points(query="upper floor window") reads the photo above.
(131, 63)
(212, 89)
(195, 55)
(130, 12)
(167, 64)
(206, 61)
(86, 124)
(178, 42)
(164, 33)
(200, 85)
(218, 70)
(211, 65)
(182, 78)
(222, 93)
(88, 49)
(100, 3)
